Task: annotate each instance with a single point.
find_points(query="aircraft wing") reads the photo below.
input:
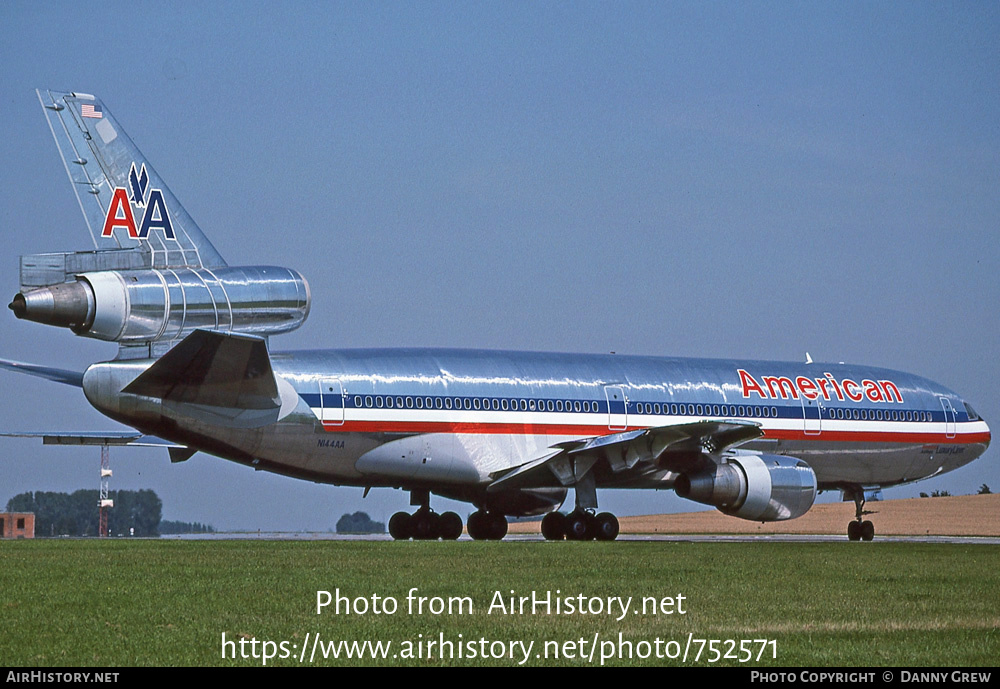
(669, 447)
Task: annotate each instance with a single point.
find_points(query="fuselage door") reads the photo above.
(617, 410)
(331, 396)
(949, 417)
(812, 415)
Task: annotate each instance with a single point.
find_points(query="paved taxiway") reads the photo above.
(672, 538)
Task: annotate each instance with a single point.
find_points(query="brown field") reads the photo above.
(966, 515)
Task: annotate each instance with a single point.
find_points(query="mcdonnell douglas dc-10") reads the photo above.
(509, 432)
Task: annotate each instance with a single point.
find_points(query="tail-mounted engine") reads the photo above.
(762, 488)
(138, 306)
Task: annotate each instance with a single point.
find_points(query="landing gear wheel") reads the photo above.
(854, 531)
(424, 525)
(554, 526)
(606, 527)
(498, 526)
(477, 526)
(449, 526)
(867, 531)
(579, 526)
(487, 526)
(399, 526)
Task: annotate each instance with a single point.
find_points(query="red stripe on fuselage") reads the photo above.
(592, 431)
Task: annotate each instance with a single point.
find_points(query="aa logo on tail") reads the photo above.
(149, 201)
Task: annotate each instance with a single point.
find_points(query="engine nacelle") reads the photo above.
(763, 488)
(167, 304)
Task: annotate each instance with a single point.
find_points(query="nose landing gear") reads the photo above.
(859, 530)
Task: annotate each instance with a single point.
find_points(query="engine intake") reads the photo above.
(150, 305)
(763, 488)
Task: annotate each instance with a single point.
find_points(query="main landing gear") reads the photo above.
(859, 530)
(582, 524)
(425, 524)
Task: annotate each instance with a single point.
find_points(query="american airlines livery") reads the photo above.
(509, 432)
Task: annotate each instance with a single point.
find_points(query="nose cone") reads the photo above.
(18, 305)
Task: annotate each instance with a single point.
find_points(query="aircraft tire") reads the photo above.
(607, 527)
(450, 526)
(578, 526)
(497, 526)
(867, 531)
(477, 526)
(554, 526)
(399, 526)
(854, 531)
(424, 525)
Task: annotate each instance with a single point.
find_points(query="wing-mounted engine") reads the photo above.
(756, 487)
(153, 305)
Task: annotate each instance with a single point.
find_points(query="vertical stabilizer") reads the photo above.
(124, 201)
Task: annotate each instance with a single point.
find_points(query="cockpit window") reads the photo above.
(973, 416)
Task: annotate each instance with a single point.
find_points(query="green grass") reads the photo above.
(147, 602)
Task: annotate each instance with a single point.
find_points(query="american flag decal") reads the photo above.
(92, 110)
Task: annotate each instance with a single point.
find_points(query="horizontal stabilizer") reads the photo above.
(57, 374)
(214, 370)
(109, 438)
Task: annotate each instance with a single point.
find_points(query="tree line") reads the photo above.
(75, 514)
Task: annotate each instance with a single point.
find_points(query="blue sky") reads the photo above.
(696, 179)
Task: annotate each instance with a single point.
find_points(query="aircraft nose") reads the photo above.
(974, 416)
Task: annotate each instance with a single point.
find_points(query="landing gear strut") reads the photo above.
(425, 524)
(859, 530)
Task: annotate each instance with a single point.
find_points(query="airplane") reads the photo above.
(509, 432)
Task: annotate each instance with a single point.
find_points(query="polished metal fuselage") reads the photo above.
(454, 420)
